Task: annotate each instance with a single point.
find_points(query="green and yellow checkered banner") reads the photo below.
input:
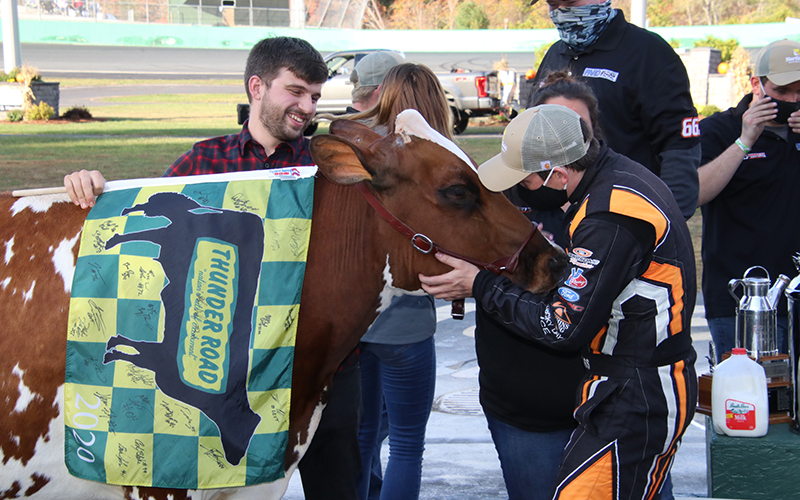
(182, 325)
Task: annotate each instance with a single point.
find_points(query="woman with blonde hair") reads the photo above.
(398, 357)
(409, 86)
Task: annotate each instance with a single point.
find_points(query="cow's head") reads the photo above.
(169, 205)
(431, 185)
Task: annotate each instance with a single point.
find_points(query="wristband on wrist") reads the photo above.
(741, 145)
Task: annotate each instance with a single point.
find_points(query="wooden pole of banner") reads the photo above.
(19, 193)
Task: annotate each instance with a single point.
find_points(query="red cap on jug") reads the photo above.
(739, 350)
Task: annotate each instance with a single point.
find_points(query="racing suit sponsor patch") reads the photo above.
(546, 322)
(581, 257)
(562, 318)
(568, 294)
(575, 307)
(576, 279)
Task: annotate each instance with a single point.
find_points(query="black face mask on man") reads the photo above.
(785, 108)
(543, 198)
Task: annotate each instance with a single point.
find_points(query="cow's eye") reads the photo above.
(457, 192)
(462, 196)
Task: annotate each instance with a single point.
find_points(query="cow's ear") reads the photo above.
(338, 160)
(355, 132)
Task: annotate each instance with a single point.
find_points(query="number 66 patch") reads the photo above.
(690, 127)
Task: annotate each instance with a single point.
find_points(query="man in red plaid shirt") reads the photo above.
(283, 79)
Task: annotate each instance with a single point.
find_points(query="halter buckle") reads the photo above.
(427, 241)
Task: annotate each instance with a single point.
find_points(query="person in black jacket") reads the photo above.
(642, 87)
(748, 188)
(527, 390)
(628, 308)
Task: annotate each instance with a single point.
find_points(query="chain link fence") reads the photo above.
(194, 12)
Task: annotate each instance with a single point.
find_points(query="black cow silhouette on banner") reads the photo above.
(234, 247)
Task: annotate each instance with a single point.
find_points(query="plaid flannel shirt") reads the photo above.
(239, 153)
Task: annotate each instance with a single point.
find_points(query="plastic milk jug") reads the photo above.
(739, 405)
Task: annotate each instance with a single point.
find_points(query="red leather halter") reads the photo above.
(425, 245)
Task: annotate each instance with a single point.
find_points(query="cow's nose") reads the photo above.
(558, 264)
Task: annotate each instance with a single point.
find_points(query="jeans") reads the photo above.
(723, 332)
(376, 469)
(666, 488)
(404, 377)
(530, 460)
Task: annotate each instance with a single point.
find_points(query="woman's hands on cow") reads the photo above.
(456, 284)
(83, 187)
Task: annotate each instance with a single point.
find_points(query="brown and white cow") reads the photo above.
(353, 257)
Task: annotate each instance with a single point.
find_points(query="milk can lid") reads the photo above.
(739, 350)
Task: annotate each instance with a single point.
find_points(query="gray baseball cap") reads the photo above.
(779, 62)
(541, 138)
(373, 67)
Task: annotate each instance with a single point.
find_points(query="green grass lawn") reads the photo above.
(110, 82)
(140, 136)
(135, 136)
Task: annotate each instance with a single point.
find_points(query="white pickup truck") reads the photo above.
(470, 93)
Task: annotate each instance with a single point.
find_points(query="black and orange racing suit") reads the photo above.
(627, 303)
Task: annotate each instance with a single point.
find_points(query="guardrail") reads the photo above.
(156, 22)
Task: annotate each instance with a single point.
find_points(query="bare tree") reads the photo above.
(372, 16)
(450, 7)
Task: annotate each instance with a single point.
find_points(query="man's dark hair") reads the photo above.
(269, 56)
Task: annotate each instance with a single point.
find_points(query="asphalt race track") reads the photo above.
(81, 61)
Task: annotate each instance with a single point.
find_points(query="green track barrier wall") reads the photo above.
(91, 32)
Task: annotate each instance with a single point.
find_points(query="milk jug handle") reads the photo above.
(732, 284)
(758, 267)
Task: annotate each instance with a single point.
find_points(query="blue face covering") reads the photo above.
(581, 26)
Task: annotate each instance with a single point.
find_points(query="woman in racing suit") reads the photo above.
(627, 304)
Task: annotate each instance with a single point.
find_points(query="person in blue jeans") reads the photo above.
(398, 355)
(530, 418)
(404, 376)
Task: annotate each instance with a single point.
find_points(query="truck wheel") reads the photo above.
(460, 126)
(460, 121)
(311, 129)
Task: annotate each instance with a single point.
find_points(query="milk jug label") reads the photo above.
(740, 415)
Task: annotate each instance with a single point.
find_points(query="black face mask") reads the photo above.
(784, 110)
(544, 198)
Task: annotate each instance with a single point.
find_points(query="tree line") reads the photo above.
(517, 14)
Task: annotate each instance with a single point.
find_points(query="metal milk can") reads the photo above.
(757, 313)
